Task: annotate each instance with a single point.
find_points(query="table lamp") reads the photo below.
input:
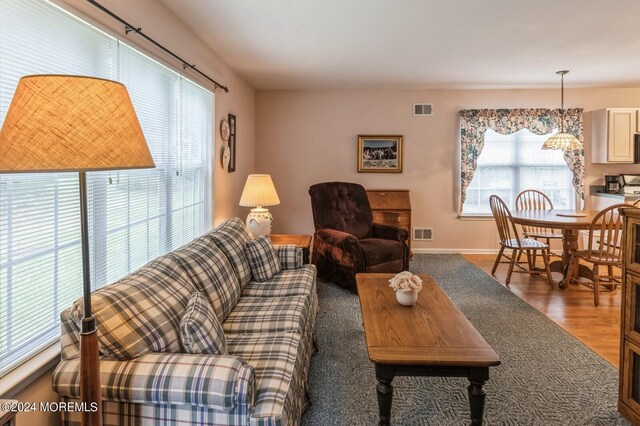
(64, 123)
(259, 192)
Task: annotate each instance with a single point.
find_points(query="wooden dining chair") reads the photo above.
(532, 199)
(510, 239)
(604, 249)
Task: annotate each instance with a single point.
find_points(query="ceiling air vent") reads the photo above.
(422, 234)
(422, 110)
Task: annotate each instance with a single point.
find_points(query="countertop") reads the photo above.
(598, 191)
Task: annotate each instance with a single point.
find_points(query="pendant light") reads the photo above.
(562, 140)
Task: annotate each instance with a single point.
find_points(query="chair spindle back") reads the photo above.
(506, 228)
(608, 245)
(532, 199)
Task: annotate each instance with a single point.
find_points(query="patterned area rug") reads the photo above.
(547, 377)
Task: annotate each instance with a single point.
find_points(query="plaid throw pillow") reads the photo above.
(200, 330)
(262, 257)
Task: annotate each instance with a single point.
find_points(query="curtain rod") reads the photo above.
(129, 28)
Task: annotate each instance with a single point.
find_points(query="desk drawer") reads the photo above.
(392, 218)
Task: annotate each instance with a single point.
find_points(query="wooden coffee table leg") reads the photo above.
(384, 375)
(477, 395)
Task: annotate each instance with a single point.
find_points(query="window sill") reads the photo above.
(478, 216)
(30, 371)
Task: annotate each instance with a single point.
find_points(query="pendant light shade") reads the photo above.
(562, 140)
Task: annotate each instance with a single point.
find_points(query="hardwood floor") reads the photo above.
(572, 309)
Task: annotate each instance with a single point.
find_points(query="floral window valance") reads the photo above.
(475, 122)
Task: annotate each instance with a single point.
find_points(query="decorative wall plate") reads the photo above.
(225, 131)
(225, 156)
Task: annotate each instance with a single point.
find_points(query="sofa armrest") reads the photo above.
(290, 256)
(390, 232)
(218, 382)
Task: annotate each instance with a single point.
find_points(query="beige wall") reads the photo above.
(305, 137)
(157, 22)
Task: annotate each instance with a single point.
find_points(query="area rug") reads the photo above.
(547, 377)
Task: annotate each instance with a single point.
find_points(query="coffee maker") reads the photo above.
(612, 183)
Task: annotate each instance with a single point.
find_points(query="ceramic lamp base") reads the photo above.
(259, 222)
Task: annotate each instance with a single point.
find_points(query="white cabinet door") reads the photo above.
(621, 126)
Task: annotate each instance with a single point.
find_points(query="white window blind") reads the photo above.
(134, 215)
(509, 164)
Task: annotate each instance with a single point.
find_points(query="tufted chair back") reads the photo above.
(343, 206)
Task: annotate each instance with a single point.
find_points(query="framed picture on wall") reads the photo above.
(379, 154)
(232, 142)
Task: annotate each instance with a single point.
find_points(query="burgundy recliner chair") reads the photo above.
(347, 241)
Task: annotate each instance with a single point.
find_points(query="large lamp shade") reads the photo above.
(61, 123)
(64, 123)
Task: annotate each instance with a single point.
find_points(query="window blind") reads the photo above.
(134, 215)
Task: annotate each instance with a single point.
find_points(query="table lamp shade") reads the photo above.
(62, 123)
(259, 191)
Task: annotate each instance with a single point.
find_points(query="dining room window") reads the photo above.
(509, 164)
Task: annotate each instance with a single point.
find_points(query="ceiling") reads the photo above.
(413, 44)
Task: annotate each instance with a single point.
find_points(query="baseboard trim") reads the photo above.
(453, 251)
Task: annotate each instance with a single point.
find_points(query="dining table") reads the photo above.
(569, 222)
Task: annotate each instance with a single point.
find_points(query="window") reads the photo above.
(134, 215)
(512, 163)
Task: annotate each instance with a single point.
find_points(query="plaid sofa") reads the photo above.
(146, 377)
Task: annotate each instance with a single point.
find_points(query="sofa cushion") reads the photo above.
(377, 250)
(296, 282)
(290, 256)
(200, 330)
(230, 237)
(262, 257)
(259, 315)
(277, 360)
(141, 312)
(211, 273)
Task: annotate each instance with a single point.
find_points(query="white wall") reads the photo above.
(305, 137)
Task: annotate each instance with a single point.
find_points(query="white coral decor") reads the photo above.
(406, 282)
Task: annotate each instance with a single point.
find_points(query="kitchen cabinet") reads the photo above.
(612, 131)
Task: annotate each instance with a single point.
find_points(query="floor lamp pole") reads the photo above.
(89, 359)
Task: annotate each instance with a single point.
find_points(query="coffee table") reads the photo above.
(431, 338)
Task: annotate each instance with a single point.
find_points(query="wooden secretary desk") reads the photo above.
(391, 207)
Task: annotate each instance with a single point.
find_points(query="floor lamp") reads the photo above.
(63, 123)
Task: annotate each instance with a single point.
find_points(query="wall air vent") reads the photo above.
(422, 234)
(422, 110)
